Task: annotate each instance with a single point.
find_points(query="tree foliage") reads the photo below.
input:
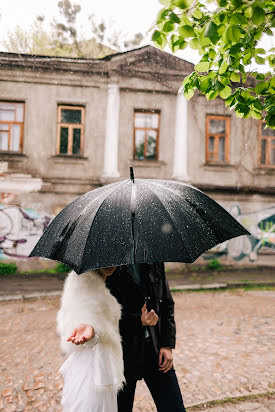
(226, 33)
(65, 39)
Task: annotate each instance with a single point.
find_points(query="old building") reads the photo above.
(69, 125)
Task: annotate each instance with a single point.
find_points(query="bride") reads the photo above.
(87, 323)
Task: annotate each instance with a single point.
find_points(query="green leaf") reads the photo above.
(188, 94)
(165, 2)
(236, 48)
(222, 3)
(156, 37)
(205, 84)
(183, 44)
(159, 39)
(168, 26)
(261, 87)
(212, 95)
(223, 67)
(259, 60)
(229, 100)
(258, 105)
(202, 67)
(258, 16)
(236, 33)
(260, 76)
(234, 77)
(269, 32)
(246, 58)
(194, 44)
(256, 115)
(197, 14)
(226, 92)
(186, 31)
(183, 4)
(270, 120)
(162, 15)
(211, 30)
(272, 81)
(212, 53)
(238, 18)
(174, 18)
(260, 51)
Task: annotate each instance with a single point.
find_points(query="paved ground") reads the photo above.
(224, 349)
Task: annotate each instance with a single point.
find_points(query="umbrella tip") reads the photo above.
(132, 177)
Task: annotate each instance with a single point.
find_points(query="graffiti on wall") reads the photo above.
(20, 230)
(261, 225)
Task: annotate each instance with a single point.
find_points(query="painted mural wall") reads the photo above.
(21, 228)
(261, 225)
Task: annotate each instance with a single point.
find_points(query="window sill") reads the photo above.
(63, 156)
(220, 165)
(12, 156)
(265, 170)
(2, 153)
(147, 163)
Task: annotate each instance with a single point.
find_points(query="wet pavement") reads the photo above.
(225, 344)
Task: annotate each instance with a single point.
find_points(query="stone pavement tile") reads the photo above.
(224, 349)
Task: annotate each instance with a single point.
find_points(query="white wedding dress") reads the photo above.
(88, 381)
(93, 372)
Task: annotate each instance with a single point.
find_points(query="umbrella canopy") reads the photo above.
(136, 221)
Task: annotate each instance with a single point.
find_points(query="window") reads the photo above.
(11, 126)
(146, 134)
(266, 146)
(70, 130)
(217, 139)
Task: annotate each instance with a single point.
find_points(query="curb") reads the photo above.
(215, 286)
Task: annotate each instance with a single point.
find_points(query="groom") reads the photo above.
(148, 333)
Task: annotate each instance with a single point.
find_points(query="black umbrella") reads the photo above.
(136, 221)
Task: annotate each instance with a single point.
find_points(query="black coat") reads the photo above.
(131, 296)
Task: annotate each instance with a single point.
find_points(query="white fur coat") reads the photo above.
(87, 300)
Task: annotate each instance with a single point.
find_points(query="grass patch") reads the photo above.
(59, 268)
(233, 400)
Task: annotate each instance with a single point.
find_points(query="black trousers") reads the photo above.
(164, 387)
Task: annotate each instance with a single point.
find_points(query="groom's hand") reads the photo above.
(81, 334)
(165, 359)
(148, 318)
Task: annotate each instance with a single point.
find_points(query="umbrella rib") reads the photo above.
(171, 217)
(106, 197)
(187, 200)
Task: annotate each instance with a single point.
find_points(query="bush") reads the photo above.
(7, 268)
(61, 268)
(214, 264)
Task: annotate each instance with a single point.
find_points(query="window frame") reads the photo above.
(216, 137)
(268, 147)
(146, 111)
(70, 127)
(10, 123)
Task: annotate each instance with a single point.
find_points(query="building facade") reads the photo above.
(69, 125)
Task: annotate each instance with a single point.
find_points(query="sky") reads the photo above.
(132, 16)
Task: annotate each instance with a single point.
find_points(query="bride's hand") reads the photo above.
(81, 334)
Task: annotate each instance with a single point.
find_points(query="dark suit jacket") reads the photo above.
(131, 297)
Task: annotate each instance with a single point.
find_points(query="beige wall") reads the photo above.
(65, 178)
